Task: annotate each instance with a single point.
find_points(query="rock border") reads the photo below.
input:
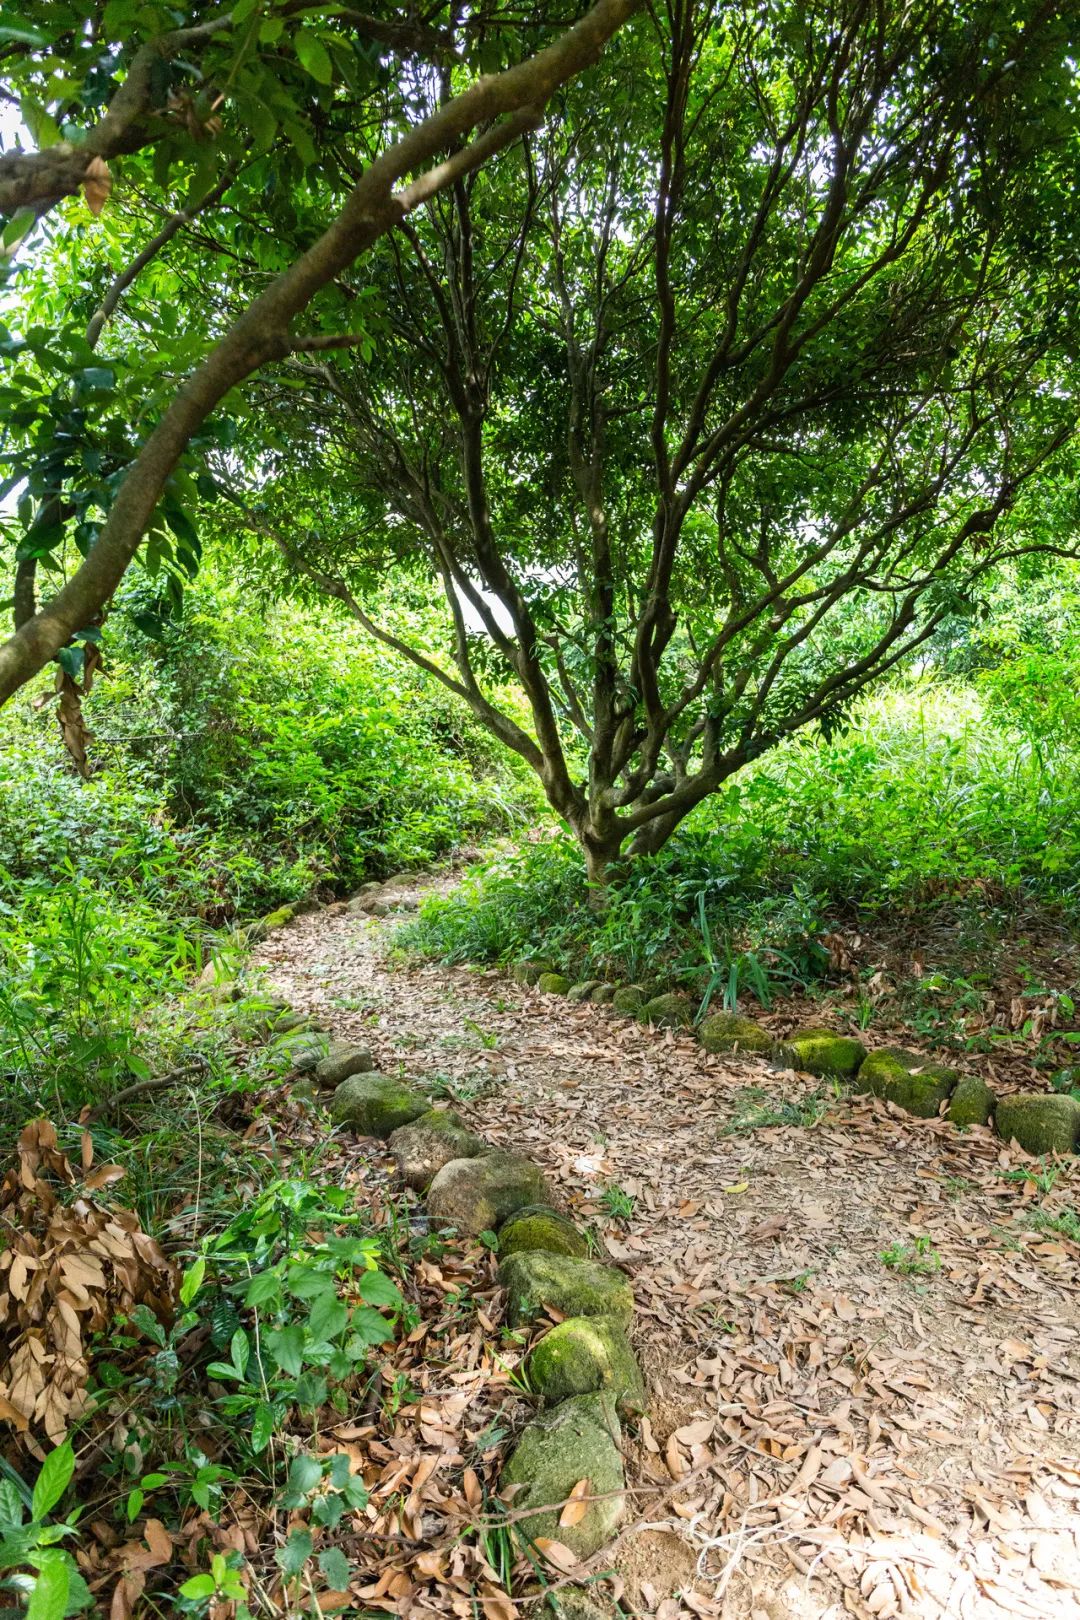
(1039, 1122)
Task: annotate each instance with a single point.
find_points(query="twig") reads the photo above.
(159, 1082)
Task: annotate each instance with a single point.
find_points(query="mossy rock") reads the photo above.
(527, 972)
(577, 1603)
(554, 984)
(919, 1091)
(1039, 1122)
(341, 1062)
(536, 1280)
(972, 1103)
(629, 998)
(477, 1194)
(574, 1441)
(531, 1228)
(729, 1032)
(303, 1048)
(583, 1355)
(583, 990)
(431, 1141)
(823, 1052)
(668, 1011)
(375, 1105)
(603, 994)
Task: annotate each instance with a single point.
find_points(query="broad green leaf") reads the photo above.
(335, 1567)
(49, 1599)
(296, 1552)
(53, 1480)
(314, 56)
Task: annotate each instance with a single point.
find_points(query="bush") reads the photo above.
(933, 798)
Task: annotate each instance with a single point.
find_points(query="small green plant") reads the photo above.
(755, 1110)
(1042, 1178)
(918, 1259)
(799, 1284)
(618, 1203)
(488, 1039)
(1065, 1223)
(32, 1564)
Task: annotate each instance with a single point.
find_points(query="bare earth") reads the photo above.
(826, 1436)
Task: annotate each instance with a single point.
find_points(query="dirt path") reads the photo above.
(853, 1439)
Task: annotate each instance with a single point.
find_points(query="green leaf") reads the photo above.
(370, 1327)
(262, 1289)
(296, 1552)
(286, 1347)
(328, 1317)
(199, 1586)
(262, 1427)
(191, 1281)
(304, 1474)
(335, 1567)
(314, 56)
(53, 1481)
(377, 1289)
(11, 1506)
(49, 1599)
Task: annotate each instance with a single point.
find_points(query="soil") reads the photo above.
(861, 1335)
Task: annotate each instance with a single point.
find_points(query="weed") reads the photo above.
(918, 1259)
(1043, 1178)
(463, 1088)
(617, 1202)
(799, 1284)
(1065, 1224)
(755, 1110)
(488, 1039)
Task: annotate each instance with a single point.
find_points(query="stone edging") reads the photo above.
(1040, 1122)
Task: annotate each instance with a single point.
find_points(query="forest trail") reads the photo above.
(851, 1438)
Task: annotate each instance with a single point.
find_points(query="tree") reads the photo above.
(247, 100)
(710, 405)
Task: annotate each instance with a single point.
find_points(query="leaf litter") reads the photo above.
(826, 1436)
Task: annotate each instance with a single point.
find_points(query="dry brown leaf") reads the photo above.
(97, 184)
(576, 1506)
(557, 1553)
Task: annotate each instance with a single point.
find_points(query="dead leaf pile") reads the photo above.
(68, 1267)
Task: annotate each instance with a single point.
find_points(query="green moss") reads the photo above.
(1039, 1122)
(554, 984)
(972, 1103)
(527, 972)
(477, 1194)
(431, 1141)
(574, 1441)
(585, 1354)
(583, 990)
(728, 1032)
(341, 1062)
(822, 1051)
(536, 1280)
(304, 1048)
(277, 919)
(919, 1091)
(667, 1011)
(375, 1105)
(628, 998)
(545, 1229)
(603, 994)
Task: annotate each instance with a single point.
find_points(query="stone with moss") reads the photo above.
(1040, 1122)
(730, 1032)
(528, 972)
(342, 1061)
(477, 1194)
(535, 1281)
(535, 1227)
(907, 1080)
(553, 984)
(629, 998)
(375, 1105)
(574, 1441)
(823, 1052)
(668, 1011)
(431, 1141)
(603, 994)
(577, 1603)
(583, 1355)
(304, 1049)
(972, 1103)
(582, 991)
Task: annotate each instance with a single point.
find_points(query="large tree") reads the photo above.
(710, 406)
(228, 122)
